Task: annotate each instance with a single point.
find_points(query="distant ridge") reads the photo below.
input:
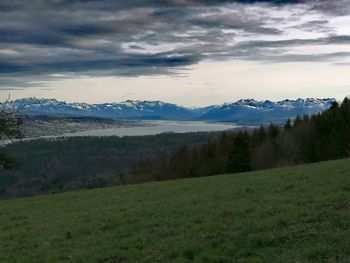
(244, 111)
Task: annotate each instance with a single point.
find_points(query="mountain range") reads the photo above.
(245, 111)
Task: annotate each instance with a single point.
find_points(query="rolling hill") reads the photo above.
(294, 214)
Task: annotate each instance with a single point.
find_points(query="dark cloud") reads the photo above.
(294, 42)
(41, 38)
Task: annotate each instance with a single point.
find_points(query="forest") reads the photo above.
(306, 139)
(62, 164)
(56, 165)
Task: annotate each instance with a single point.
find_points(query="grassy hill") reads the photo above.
(295, 214)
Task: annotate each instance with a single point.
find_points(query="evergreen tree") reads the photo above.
(273, 130)
(297, 120)
(288, 124)
(239, 158)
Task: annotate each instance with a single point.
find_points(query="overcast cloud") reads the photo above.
(43, 40)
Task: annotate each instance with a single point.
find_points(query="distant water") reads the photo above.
(155, 127)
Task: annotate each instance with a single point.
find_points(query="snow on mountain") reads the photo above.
(245, 111)
(126, 109)
(258, 112)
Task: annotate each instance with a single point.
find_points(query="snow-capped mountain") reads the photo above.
(126, 109)
(252, 111)
(247, 111)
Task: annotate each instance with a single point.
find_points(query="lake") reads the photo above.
(155, 127)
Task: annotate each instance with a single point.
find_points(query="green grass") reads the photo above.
(295, 214)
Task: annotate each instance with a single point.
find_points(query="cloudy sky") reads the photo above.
(191, 52)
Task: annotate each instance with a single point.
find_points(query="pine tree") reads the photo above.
(239, 158)
(273, 130)
(288, 124)
(297, 120)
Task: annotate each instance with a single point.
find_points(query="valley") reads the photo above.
(51, 127)
(185, 131)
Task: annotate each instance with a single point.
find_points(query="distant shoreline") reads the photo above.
(144, 127)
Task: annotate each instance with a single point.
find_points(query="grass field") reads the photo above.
(296, 214)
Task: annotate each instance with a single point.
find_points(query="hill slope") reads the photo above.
(296, 214)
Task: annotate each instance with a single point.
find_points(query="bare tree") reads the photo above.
(9, 130)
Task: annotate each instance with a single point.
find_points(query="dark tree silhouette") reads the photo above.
(306, 139)
(239, 158)
(9, 130)
(288, 124)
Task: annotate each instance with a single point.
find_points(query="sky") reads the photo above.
(189, 52)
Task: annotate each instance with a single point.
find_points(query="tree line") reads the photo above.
(64, 164)
(305, 139)
(72, 163)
